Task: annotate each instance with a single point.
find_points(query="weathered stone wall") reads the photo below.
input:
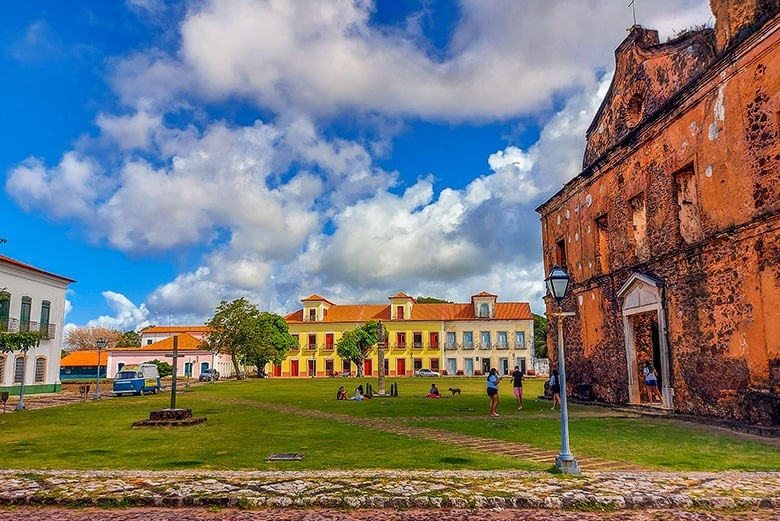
(689, 195)
(738, 18)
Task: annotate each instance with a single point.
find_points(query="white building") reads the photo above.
(31, 300)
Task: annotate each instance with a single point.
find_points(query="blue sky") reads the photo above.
(169, 155)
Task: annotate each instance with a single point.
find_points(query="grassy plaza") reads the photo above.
(250, 420)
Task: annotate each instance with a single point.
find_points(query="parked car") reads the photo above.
(208, 375)
(427, 372)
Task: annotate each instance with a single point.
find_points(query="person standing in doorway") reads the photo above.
(517, 384)
(651, 383)
(492, 391)
(555, 388)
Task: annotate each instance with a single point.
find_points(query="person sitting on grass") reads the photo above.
(433, 392)
(341, 394)
(359, 394)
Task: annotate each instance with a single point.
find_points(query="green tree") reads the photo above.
(234, 329)
(355, 344)
(22, 341)
(129, 339)
(273, 342)
(432, 300)
(540, 336)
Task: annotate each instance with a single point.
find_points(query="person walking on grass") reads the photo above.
(517, 384)
(555, 388)
(492, 391)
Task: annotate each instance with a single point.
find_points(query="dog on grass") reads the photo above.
(455, 391)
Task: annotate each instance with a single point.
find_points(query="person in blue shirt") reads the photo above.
(492, 391)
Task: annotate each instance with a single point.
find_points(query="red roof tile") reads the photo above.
(420, 312)
(186, 343)
(83, 358)
(316, 298)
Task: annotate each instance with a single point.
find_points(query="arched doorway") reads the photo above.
(644, 329)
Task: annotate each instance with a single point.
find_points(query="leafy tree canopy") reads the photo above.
(21, 341)
(432, 300)
(274, 341)
(240, 329)
(355, 344)
(234, 330)
(540, 336)
(129, 339)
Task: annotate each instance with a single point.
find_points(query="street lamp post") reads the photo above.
(380, 344)
(101, 344)
(557, 283)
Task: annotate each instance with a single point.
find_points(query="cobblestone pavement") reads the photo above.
(200, 514)
(384, 489)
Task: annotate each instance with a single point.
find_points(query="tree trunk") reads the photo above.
(233, 358)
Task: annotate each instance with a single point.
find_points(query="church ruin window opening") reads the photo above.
(688, 207)
(638, 231)
(634, 110)
(560, 253)
(602, 244)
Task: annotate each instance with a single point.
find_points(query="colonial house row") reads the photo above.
(31, 300)
(192, 357)
(451, 338)
(671, 231)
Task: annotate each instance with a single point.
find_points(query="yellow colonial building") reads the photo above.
(451, 338)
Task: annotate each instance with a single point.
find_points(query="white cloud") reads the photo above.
(282, 208)
(68, 190)
(324, 57)
(129, 132)
(126, 314)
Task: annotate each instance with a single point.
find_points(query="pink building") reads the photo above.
(192, 358)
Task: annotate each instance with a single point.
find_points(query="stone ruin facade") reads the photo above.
(671, 231)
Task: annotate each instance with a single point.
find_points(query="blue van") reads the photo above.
(137, 379)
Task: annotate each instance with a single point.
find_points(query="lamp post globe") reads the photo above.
(101, 344)
(558, 283)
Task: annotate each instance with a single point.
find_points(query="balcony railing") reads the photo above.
(13, 325)
(450, 347)
(433, 346)
(519, 345)
(417, 345)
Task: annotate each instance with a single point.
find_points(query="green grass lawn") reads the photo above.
(241, 433)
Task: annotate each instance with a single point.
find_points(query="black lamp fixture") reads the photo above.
(558, 283)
